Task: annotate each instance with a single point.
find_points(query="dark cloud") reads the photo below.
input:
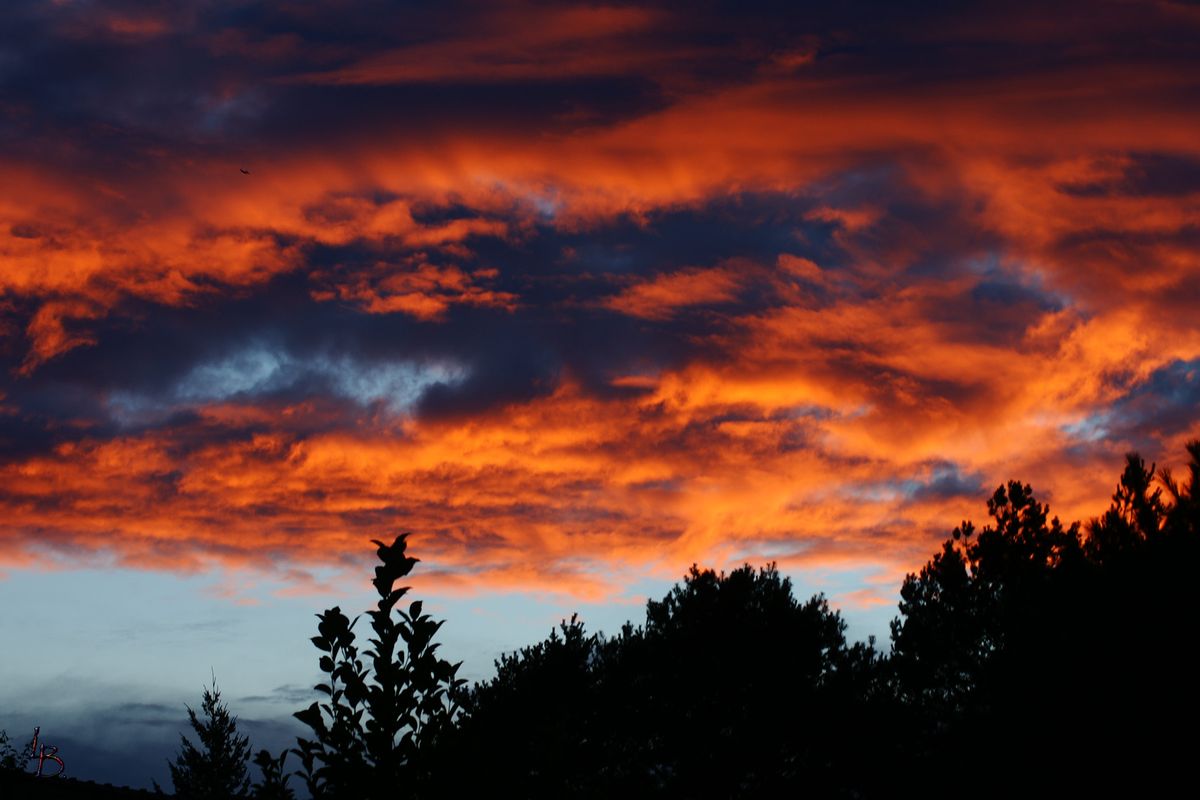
(1145, 175)
(1163, 405)
(150, 362)
(291, 693)
(945, 481)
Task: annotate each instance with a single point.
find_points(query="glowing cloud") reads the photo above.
(576, 293)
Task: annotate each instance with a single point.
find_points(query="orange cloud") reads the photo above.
(693, 472)
(661, 296)
(48, 331)
(420, 290)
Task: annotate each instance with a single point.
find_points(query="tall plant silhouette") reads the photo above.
(371, 732)
(273, 785)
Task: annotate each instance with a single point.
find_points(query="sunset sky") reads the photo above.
(579, 294)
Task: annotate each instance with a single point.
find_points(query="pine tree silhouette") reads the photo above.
(217, 769)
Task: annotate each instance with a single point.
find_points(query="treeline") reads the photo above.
(1029, 659)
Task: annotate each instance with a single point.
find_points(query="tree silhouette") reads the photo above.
(1137, 687)
(406, 696)
(1029, 659)
(1053, 651)
(960, 609)
(1135, 516)
(1183, 516)
(217, 769)
(726, 661)
(700, 701)
(532, 730)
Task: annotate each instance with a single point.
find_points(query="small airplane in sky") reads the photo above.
(244, 171)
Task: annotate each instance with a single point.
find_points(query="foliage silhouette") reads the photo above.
(273, 785)
(961, 607)
(531, 729)
(1054, 651)
(406, 696)
(1183, 516)
(1029, 658)
(217, 769)
(10, 758)
(700, 701)
(1135, 516)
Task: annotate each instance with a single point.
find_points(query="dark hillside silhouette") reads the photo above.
(26, 786)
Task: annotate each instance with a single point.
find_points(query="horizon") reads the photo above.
(579, 294)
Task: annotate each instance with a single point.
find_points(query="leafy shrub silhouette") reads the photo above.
(273, 785)
(406, 696)
(217, 769)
